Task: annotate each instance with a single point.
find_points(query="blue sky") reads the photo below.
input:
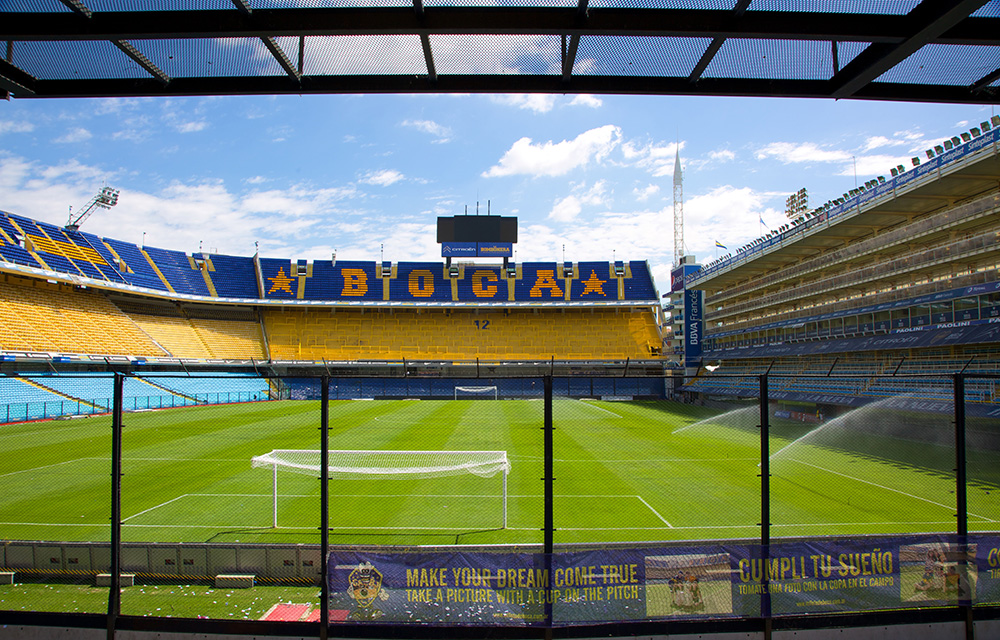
(367, 175)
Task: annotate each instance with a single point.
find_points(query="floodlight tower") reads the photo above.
(106, 198)
(678, 208)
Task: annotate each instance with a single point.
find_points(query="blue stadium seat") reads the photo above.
(420, 281)
(176, 268)
(142, 274)
(640, 286)
(594, 281)
(234, 276)
(482, 284)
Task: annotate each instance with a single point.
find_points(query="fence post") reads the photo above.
(961, 502)
(114, 594)
(548, 527)
(324, 509)
(765, 506)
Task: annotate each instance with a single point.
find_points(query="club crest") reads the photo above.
(365, 584)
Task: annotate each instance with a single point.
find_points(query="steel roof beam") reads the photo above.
(144, 62)
(16, 81)
(929, 19)
(709, 54)
(134, 25)
(78, 7)
(282, 59)
(425, 40)
(631, 85)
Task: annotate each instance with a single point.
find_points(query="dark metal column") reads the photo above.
(961, 502)
(765, 506)
(115, 594)
(548, 528)
(324, 509)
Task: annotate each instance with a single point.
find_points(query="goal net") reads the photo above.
(373, 464)
(486, 393)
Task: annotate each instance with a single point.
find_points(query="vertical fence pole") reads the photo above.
(324, 509)
(114, 594)
(765, 506)
(548, 527)
(961, 502)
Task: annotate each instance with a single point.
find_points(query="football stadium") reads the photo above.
(400, 427)
(800, 438)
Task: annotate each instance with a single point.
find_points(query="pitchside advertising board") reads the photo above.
(499, 588)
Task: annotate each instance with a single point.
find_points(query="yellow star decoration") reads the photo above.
(281, 282)
(593, 284)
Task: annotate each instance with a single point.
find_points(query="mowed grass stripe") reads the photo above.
(621, 472)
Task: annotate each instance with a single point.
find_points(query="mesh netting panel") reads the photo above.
(418, 464)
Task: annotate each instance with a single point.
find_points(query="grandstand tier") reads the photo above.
(594, 334)
(106, 296)
(896, 280)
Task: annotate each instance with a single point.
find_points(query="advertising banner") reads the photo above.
(607, 585)
(459, 249)
(694, 326)
(495, 249)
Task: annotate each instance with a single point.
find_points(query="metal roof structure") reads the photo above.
(904, 50)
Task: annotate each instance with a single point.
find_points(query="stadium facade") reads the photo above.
(898, 277)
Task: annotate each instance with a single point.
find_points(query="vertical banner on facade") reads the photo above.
(694, 327)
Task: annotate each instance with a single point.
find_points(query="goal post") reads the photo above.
(467, 392)
(385, 464)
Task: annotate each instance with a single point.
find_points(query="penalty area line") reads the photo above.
(655, 512)
(882, 486)
(594, 406)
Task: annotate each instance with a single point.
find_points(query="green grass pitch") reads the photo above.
(624, 471)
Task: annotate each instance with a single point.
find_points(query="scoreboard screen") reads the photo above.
(477, 229)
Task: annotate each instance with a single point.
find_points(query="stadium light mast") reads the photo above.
(678, 208)
(106, 198)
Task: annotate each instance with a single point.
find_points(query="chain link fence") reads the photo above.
(493, 501)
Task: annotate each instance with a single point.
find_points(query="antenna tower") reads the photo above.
(678, 209)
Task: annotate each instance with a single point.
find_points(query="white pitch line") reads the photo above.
(650, 507)
(617, 415)
(48, 466)
(882, 486)
(163, 504)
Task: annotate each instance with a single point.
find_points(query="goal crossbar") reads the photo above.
(384, 464)
(478, 391)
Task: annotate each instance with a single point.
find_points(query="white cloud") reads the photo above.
(559, 158)
(18, 126)
(566, 209)
(191, 127)
(646, 192)
(382, 178)
(729, 215)
(587, 100)
(441, 133)
(722, 155)
(543, 102)
(873, 165)
(537, 102)
(182, 215)
(793, 153)
(875, 142)
(656, 158)
(78, 134)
